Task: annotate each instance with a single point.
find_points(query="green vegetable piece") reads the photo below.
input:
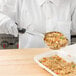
(73, 66)
(61, 37)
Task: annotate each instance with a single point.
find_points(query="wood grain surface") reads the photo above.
(19, 62)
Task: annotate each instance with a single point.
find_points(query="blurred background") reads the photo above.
(9, 41)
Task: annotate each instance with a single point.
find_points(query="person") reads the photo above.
(39, 17)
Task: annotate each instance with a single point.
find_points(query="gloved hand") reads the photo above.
(7, 25)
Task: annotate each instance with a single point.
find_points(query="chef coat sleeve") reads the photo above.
(74, 17)
(8, 9)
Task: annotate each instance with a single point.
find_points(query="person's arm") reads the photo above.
(7, 17)
(9, 8)
(73, 17)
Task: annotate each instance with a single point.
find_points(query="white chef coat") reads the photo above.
(56, 15)
(33, 19)
(41, 16)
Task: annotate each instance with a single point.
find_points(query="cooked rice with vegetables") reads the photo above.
(59, 66)
(55, 40)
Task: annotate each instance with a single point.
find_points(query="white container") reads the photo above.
(68, 53)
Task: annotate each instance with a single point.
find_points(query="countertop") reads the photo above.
(20, 62)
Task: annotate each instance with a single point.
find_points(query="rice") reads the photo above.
(55, 40)
(59, 66)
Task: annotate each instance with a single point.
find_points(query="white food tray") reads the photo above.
(68, 53)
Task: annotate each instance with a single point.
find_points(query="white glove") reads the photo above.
(7, 26)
